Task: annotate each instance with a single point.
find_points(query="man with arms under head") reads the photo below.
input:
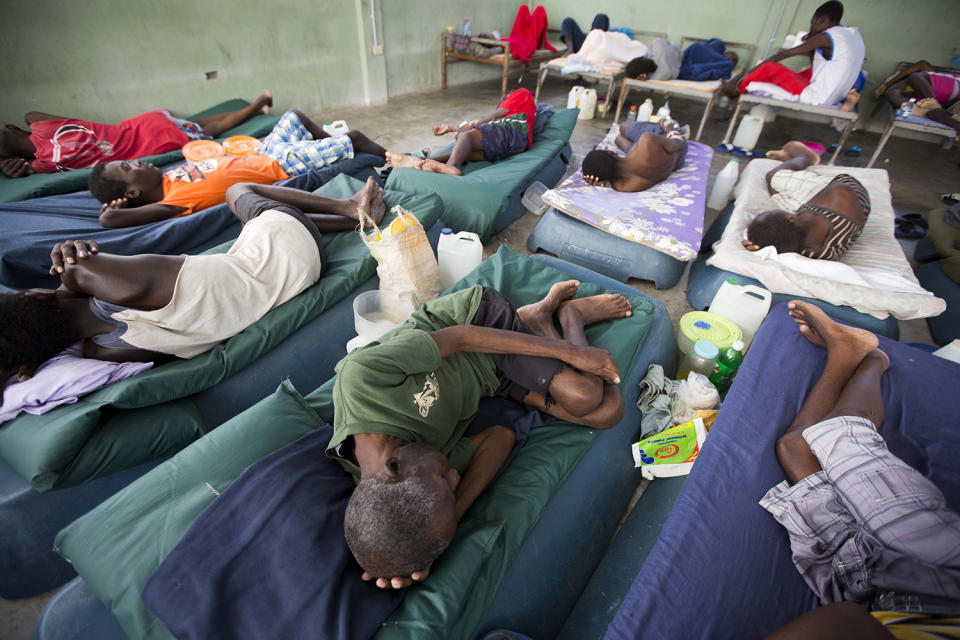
(158, 307)
(654, 151)
(821, 216)
(836, 56)
(403, 405)
(872, 537)
(55, 143)
(135, 193)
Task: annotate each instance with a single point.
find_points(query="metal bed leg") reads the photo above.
(706, 114)
(443, 61)
(541, 76)
(624, 90)
(609, 93)
(733, 122)
(843, 139)
(883, 142)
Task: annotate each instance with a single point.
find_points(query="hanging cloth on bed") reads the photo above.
(529, 33)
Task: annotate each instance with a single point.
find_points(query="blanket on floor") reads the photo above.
(873, 276)
(667, 217)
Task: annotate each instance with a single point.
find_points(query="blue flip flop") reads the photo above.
(853, 152)
(726, 147)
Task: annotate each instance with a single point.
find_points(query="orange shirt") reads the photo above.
(205, 183)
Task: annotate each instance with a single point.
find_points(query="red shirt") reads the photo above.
(521, 101)
(78, 144)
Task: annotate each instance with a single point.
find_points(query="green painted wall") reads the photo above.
(109, 59)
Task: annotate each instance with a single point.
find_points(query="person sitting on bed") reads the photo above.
(157, 307)
(836, 56)
(504, 133)
(872, 537)
(135, 193)
(55, 143)
(402, 405)
(830, 212)
(654, 151)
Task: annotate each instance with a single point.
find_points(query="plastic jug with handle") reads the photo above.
(587, 104)
(745, 304)
(457, 255)
(723, 185)
(748, 132)
(574, 96)
(336, 128)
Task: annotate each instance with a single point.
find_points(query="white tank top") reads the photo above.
(218, 296)
(832, 79)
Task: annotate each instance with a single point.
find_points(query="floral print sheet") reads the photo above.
(667, 217)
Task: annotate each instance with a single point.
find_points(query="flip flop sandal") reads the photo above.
(907, 230)
(832, 147)
(725, 148)
(916, 219)
(853, 152)
(950, 198)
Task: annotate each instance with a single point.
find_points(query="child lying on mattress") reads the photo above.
(135, 193)
(869, 534)
(401, 408)
(156, 307)
(829, 212)
(654, 151)
(55, 143)
(506, 132)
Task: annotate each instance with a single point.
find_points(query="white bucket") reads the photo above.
(457, 255)
(748, 132)
(587, 104)
(745, 304)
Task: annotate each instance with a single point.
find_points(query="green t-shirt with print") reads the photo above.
(400, 386)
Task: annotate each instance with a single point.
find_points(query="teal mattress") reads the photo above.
(118, 545)
(152, 415)
(474, 200)
(39, 185)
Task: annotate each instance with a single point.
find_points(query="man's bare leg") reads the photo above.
(363, 144)
(397, 160)
(217, 123)
(796, 153)
(846, 347)
(837, 621)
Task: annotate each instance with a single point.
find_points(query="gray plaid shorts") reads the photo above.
(869, 528)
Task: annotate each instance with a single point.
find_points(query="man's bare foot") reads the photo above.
(729, 89)
(264, 102)
(817, 327)
(539, 315)
(850, 101)
(370, 199)
(606, 306)
(795, 149)
(880, 356)
(434, 166)
(397, 160)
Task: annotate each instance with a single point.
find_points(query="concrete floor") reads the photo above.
(919, 171)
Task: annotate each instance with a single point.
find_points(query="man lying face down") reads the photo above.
(135, 193)
(403, 408)
(654, 151)
(158, 307)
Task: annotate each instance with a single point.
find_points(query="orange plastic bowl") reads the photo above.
(240, 145)
(199, 150)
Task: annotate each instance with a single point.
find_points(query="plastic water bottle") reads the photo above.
(466, 27)
(726, 366)
(664, 111)
(723, 185)
(632, 116)
(645, 111)
(457, 255)
(906, 108)
(574, 96)
(701, 359)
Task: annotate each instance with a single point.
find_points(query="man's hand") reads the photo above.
(750, 246)
(593, 181)
(442, 129)
(400, 582)
(69, 252)
(119, 203)
(597, 361)
(15, 167)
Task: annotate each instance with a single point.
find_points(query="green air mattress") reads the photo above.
(473, 201)
(150, 415)
(39, 185)
(118, 545)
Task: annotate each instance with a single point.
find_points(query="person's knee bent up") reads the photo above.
(791, 447)
(610, 412)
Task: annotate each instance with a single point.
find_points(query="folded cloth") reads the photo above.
(63, 379)
(576, 64)
(654, 401)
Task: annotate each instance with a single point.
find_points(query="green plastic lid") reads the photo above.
(703, 325)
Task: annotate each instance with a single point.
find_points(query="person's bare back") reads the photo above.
(651, 161)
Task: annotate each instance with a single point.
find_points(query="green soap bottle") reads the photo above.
(726, 367)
